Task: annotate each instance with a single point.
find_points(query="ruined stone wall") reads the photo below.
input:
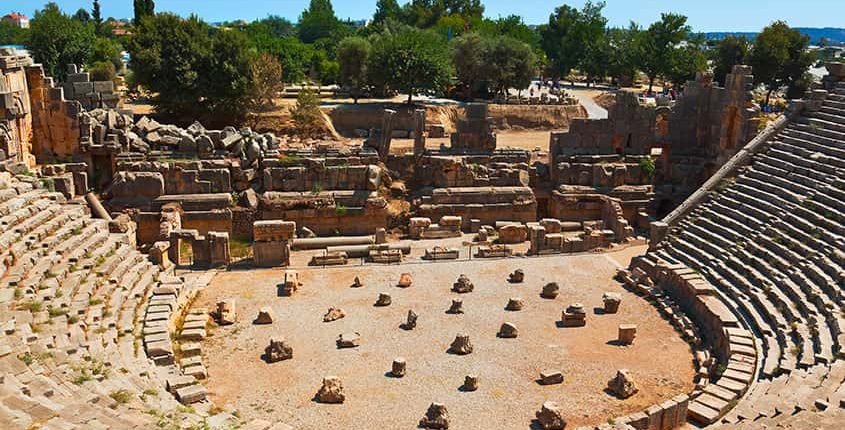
(473, 171)
(328, 212)
(55, 124)
(317, 176)
(187, 177)
(487, 204)
(15, 111)
(90, 94)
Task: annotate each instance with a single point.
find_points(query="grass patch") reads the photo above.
(26, 358)
(33, 306)
(121, 396)
(95, 301)
(240, 248)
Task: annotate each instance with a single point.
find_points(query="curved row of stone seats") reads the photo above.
(771, 242)
(72, 300)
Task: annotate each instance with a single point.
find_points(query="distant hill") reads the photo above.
(835, 35)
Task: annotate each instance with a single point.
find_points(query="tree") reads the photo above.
(728, 52)
(624, 52)
(105, 50)
(56, 40)
(570, 33)
(318, 21)
(386, 9)
(510, 64)
(306, 113)
(278, 26)
(82, 16)
(468, 57)
(780, 58)
(11, 34)
(97, 17)
(353, 53)
(266, 80)
(658, 45)
(143, 8)
(411, 61)
(686, 60)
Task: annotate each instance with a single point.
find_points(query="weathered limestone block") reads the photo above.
(550, 291)
(627, 333)
(331, 391)
(405, 280)
(470, 383)
(226, 313)
(550, 377)
(356, 283)
(291, 282)
(333, 314)
(508, 331)
(463, 285)
(136, 185)
(574, 316)
(457, 307)
(513, 233)
(623, 384)
(611, 302)
(461, 345)
(383, 300)
(398, 368)
(278, 350)
(417, 225)
(265, 316)
(515, 304)
(349, 340)
(436, 417)
(516, 277)
(550, 417)
(411, 321)
(273, 230)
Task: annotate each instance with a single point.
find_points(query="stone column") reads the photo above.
(419, 132)
(386, 134)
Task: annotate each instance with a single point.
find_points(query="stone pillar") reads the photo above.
(271, 246)
(419, 132)
(218, 243)
(658, 231)
(386, 134)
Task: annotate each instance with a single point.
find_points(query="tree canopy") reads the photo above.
(56, 40)
(410, 61)
(780, 59)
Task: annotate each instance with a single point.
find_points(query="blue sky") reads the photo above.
(709, 15)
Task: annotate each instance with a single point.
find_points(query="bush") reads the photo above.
(102, 71)
(647, 165)
(306, 113)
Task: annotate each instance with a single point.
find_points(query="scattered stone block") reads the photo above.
(550, 291)
(349, 340)
(226, 314)
(265, 316)
(461, 345)
(463, 285)
(333, 314)
(508, 331)
(574, 316)
(331, 391)
(278, 350)
(627, 333)
(470, 383)
(515, 304)
(398, 369)
(457, 307)
(550, 417)
(436, 417)
(611, 302)
(356, 283)
(623, 384)
(410, 321)
(405, 280)
(516, 277)
(551, 377)
(383, 300)
(191, 394)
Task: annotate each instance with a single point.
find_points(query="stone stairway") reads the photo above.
(771, 242)
(73, 306)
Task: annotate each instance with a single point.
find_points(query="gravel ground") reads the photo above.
(508, 395)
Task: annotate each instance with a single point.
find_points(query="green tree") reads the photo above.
(318, 21)
(386, 9)
(780, 58)
(571, 33)
(97, 17)
(226, 78)
(510, 64)
(353, 54)
(624, 54)
(686, 60)
(56, 40)
(306, 113)
(411, 61)
(658, 45)
(105, 50)
(278, 26)
(143, 8)
(82, 16)
(468, 54)
(11, 34)
(266, 74)
(728, 52)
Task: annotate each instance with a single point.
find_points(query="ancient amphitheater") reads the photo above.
(160, 277)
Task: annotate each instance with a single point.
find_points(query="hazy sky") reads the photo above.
(708, 15)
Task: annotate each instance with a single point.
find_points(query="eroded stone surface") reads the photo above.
(623, 384)
(436, 417)
(331, 391)
(550, 417)
(278, 350)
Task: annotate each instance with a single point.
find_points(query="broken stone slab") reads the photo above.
(265, 316)
(515, 304)
(349, 340)
(457, 307)
(623, 384)
(405, 280)
(331, 391)
(383, 300)
(461, 345)
(550, 377)
(550, 417)
(356, 283)
(463, 285)
(470, 383)
(550, 290)
(516, 277)
(611, 302)
(226, 314)
(411, 321)
(191, 394)
(278, 350)
(334, 314)
(436, 417)
(508, 331)
(627, 333)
